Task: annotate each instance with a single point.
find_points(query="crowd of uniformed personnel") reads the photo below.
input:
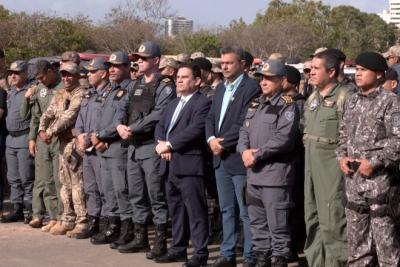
(294, 162)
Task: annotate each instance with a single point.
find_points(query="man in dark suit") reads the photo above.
(223, 122)
(181, 145)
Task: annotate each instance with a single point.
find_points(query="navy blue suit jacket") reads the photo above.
(186, 136)
(231, 124)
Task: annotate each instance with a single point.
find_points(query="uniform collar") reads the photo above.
(273, 100)
(374, 93)
(332, 91)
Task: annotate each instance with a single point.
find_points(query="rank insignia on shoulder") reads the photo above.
(167, 80)
(120, 94)
(287, 99)
(254, 104)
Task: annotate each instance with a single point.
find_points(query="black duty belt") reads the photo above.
(18, 133)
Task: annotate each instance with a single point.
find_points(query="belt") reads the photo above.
(18, 133)
(320, 139)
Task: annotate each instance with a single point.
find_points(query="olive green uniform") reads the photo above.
(325, 219)
(46, 188)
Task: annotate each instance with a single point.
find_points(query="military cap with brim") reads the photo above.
(18, 66)
(97, 63)
(168, 62)
(272, 68)
(392, 51)
(118, 58)
(69, 67)
(148, 49)
(197, 54)
(183, 58)
(372, 61)
(71, 56)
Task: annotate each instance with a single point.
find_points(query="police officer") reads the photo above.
(113, 152)
(59, 120)
(169, 68)
(368, 151)
(266, 143)
(141, 113)
(20, 172)
(298, 228)
(323, 186)
(46, 188)
(206, 78)
(86, 124)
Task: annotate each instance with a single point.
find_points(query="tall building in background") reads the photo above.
(393, 15)
(178, 25)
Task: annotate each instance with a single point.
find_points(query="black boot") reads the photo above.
(263, 259)
(279, 261)
(109, 234)
(16, 215)
(126, 234)
(28, 216)
(140, 242)
(91, 230)
(160, 242)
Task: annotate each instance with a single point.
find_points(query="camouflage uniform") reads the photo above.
(371, 130)
(59, 120)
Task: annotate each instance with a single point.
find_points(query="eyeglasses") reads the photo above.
(14, 73)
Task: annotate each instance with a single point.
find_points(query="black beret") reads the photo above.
(202, 63)
(391, 74)
(336, 53)
(293, 75)
(372, 61)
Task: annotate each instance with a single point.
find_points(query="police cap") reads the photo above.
(372, 61)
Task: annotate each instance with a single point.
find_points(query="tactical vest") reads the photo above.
(142, 100)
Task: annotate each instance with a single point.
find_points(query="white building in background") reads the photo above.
(393, 15)
(178, 25)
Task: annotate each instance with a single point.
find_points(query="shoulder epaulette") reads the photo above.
(254, 103)
(167, 80)
(287, 99)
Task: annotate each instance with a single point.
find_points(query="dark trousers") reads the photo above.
(188, 209)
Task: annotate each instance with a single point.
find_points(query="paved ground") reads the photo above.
(23, 246)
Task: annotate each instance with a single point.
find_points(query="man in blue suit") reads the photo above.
(223, 122)
(182, 146)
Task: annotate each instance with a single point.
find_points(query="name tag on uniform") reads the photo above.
(138, 92)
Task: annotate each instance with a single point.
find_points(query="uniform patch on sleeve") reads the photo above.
(395, 119)
(43, 92)
(289, 115)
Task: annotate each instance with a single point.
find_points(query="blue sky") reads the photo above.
(203, 12)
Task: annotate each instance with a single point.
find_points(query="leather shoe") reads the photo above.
(196, 262)
(171, 258)
(223, 262)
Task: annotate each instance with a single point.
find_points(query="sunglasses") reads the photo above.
(145, 58)
(14, 73)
